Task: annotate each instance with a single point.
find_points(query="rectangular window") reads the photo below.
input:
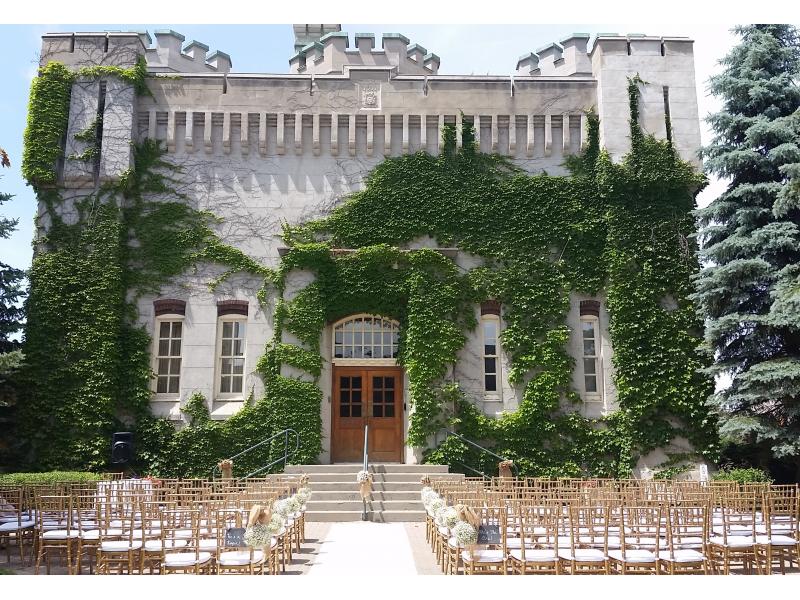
(490, 325)
(591, 357)
(231, 358)
(168, 357)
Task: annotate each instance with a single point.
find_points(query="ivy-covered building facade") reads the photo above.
(364, 242)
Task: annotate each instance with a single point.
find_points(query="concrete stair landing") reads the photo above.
(395, 491)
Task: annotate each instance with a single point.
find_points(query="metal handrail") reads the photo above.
(286, 453)
(366, 469)
(449, 433)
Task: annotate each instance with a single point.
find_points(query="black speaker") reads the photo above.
(121, 448)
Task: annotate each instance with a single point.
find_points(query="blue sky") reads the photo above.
(464, 49)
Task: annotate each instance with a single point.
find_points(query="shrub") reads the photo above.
(743, 475)
(49, 477)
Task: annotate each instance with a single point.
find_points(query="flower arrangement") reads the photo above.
(294, 504)
(303, 494)
(428, 496)
(447, 517)
(436, 505)
(258, 535)
(465, 534)
(364, 480)
(275, 524)
(281, 507)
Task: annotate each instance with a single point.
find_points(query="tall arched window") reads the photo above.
(365, 337)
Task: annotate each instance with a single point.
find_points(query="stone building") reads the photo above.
(258, 150)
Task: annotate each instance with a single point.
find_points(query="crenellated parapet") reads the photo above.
(169, 55)
(122, 48)
(331, 53)
(567, 57)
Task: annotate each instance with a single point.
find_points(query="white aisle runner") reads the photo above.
(365, 547)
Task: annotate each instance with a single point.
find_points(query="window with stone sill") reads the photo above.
(167, 357)
(490, 327)
(591, 358)
(232, 339)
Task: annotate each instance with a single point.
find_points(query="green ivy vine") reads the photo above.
(622, 229)
(618, 228)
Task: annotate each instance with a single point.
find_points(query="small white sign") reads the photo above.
(704, 472)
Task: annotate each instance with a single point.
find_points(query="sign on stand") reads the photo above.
(489, 534)
(234, 537)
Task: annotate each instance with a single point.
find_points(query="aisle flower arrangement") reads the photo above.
(364, 480)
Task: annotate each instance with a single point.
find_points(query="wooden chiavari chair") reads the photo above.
(640, 537)
(88, 525)
(238, 559)
(537, 548)
(687, 539)
(489, 558)
(779, 536)
(734, 539)
(120, 536)
(55, 530)
(15, 521)
(180, 530)
(587, 549)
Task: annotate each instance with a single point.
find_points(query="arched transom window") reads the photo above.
(365, 337)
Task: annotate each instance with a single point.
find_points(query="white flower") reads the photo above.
(294, 504)
(281, 507)
(258, 535)
(363, 477)
(447, 517)
(436, 505)
(465, 534)
(428, 497)
(275, 525)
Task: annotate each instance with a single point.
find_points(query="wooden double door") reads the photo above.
(370, 396)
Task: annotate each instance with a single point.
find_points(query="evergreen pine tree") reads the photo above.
(11, 313)
(11, 291)
(749, 290)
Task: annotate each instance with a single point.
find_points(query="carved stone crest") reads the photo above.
(370, 96)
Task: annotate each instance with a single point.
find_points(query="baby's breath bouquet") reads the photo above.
(258, 535)
(465, 534)
(281, 507)
(294, 504)
(436, 505)
(447, 517)
(303, 494)
(275, 525)
(428, 497)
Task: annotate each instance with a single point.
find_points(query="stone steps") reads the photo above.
(376, 477)
(395, 491)
(374, 468)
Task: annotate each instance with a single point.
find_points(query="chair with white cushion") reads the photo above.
(238, 559)
(120, 538)
(180, 539)
(55, 530)
(779, 537)
(536, 549)
(687, 537)
(488, 558)
(16, 523)
(586, 547)
(733, 539)
(86, 510)
(640, 539)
